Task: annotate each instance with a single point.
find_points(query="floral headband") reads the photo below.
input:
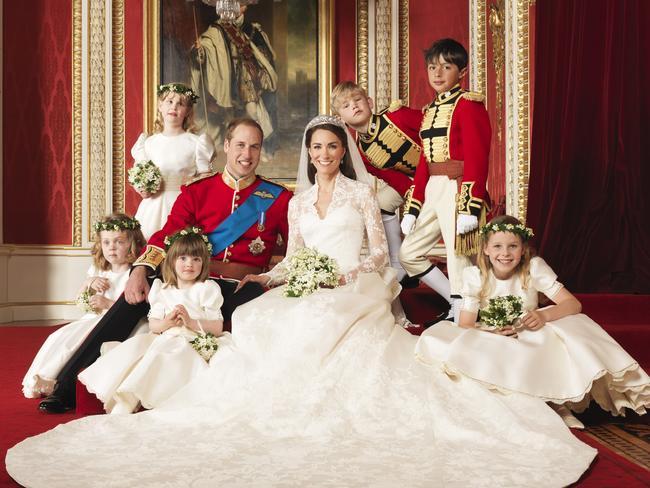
(180, 89)
(519, 229)
(169, 240)
(117, 225)
(325, 119)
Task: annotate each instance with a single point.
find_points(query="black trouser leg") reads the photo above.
(232, 300)
(116, 325)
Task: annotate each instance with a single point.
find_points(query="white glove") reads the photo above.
(466, 223)
(408, 221)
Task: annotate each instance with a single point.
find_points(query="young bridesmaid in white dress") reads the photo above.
(118, 241)
(175, 149)
(554, 353)
(149, 368)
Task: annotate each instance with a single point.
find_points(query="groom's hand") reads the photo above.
(262, 279)
(137, 288)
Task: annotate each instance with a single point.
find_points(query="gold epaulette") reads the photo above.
(274, 182)
(200, 177)
(395, 105)
(473, 96)
(152, 257)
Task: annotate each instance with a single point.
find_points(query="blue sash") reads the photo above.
(244, 216)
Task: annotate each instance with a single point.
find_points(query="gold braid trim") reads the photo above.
(152, 257)
(468, 244)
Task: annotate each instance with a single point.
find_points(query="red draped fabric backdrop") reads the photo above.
(589, 196)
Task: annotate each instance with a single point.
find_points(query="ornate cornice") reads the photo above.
(118, 105)
(362, 43)
(77, 178)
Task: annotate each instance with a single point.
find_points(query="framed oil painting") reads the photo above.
(274, 64)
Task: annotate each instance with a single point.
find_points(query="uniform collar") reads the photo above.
(448, 95)
(237, 184)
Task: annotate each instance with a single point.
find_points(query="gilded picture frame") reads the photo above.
(298, 34)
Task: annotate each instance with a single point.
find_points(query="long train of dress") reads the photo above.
(318, 391)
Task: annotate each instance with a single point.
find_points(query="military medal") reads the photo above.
(260, 222)
(256, 247)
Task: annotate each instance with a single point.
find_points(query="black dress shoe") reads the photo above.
(55, 404)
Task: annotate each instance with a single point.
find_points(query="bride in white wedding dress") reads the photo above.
(319, 391)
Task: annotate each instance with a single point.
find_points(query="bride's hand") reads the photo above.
(263, 280)
(505, 331)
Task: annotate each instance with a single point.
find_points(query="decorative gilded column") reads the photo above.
(517, 108)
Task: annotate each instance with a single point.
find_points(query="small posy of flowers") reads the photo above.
(145, 176)
(519, 229)
(180, 89)
(501, 311)
(308, 270)
(206, 344)
(83, 300)
(116, 225)
(169, 240)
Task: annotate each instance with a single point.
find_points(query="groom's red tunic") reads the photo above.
(206, 203)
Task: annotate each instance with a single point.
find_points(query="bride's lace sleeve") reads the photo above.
(377, 259)
(279, 272)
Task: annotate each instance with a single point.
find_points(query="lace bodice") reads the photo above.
(352, 214)
(178, 157)
(542, 279)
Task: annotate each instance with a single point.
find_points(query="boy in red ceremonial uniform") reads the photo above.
(242, 215)
(389, 143)
(449, 199)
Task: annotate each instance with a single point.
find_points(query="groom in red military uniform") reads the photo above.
(242, 215)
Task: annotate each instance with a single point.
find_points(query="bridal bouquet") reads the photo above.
(145, 176)
(501, 311)
(308, 270)
(83, 300)
(206, 344)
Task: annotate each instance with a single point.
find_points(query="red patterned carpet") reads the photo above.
(625, 317)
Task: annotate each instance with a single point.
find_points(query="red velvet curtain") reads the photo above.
(589, 195)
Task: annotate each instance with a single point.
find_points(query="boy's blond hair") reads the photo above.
(342, 91)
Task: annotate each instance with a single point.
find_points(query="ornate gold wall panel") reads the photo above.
(362, 43)
(97, 125)
(498, 31)
(383, 55)
(523, 102)
(118, 105)
(478, 41)
(404, 51)
(76, 125)
(517, 108)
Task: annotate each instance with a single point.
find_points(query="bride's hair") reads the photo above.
(347, 167)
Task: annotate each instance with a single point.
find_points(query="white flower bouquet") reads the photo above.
(501, 311)
(206, 344)
(145, 176)
(83, 300)
(308, 270)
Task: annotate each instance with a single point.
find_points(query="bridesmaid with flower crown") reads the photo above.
(178, 153)
(554, 352)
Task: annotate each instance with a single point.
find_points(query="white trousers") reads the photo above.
(437, 219)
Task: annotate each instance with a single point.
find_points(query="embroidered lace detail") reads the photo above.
(353, 213)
